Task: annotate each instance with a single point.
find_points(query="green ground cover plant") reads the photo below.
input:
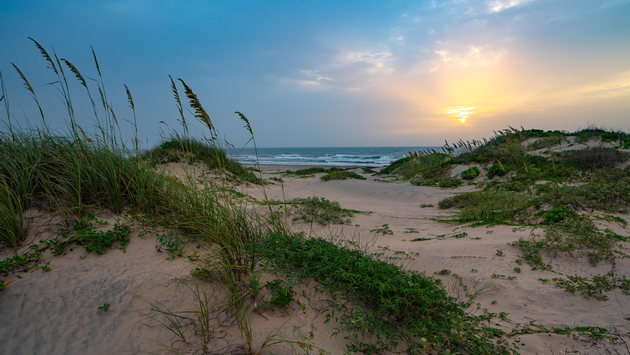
(595, 286)
(91, 239)
(576, 237)
(384, 229)
(383, 303)
(21, 262)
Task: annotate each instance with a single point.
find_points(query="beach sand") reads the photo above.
(56, 312)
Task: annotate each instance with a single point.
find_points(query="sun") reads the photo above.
(461, 111)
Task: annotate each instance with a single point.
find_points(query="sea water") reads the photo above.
(339, 156)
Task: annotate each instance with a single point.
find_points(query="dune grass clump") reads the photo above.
(419, 164)
(191, 150)
(604, 196)
(594, 158)
(381, 307)
(393, 166)
(321, 210)
(310, 171)
(342, 175)
(60, 174)
(487, 206)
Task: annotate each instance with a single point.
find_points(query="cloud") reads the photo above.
(348, 70)
(500, 5)
(313, 73)
(475, 56)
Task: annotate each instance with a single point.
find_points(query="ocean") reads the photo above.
(340, 156)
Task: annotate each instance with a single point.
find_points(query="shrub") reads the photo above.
(471, 173)
(557, 214)
(497, 169)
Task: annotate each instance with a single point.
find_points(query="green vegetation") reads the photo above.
(487, 206)
(282, 295)
(342, 175)
(449, 182)
(381, 305)
(384, 229)
(471, 173)
(393, 166)
(21, 262)
(331, 174)
(191, 150)
(321, 210)
(310, 171)
(496, 170)
(595, 286)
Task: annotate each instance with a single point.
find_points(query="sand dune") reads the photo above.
(56, 312)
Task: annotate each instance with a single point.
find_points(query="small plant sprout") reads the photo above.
(517, 270)
(500, 252)
(104, 307)
(494, 302)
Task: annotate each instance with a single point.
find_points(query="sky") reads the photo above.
(329, 73)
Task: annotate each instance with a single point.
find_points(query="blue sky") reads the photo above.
(334, 73)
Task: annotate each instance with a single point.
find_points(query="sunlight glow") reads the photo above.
(461, 111)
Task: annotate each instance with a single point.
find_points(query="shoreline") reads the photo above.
(278, 168)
